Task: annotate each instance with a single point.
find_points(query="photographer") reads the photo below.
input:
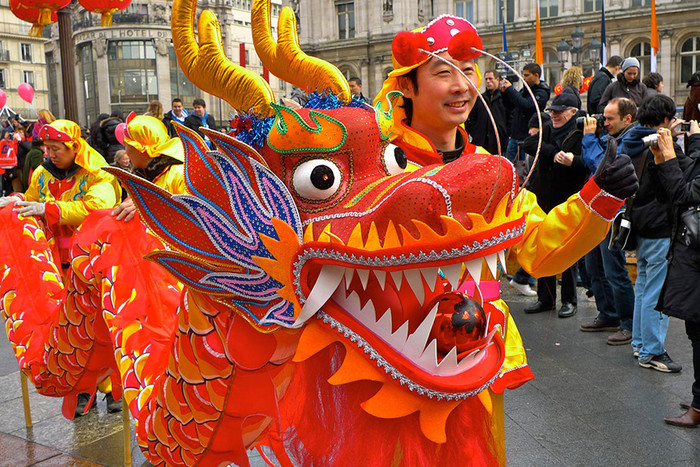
(651, 232)
(479, 126)
(610, 282)
(680, 295)
(558, 174)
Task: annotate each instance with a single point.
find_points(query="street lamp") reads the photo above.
(594, 51)
(563, 49)
(577, 39)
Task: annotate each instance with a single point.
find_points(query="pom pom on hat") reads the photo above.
(462, 45)
(406, 48)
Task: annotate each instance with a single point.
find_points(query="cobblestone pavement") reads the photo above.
(590, 404)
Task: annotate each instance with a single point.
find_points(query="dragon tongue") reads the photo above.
(328, 280)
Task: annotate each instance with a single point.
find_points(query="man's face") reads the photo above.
(177, 108)
(631, 73)
(491, 82)
(560, 117)
(60, 155)
(614, 123)
(444, 97)
(199, 110)
(530, 78)
(139, 159)
(355, 89)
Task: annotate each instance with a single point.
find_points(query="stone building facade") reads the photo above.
(356, 34)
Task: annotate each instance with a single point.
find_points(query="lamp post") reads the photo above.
(594, 51)
(563, 49)
(577, 49)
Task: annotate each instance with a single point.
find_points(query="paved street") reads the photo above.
(590, 404)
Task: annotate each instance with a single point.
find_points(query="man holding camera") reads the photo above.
(651, 232)
(479, 126)
(610, 282)
(559, 173)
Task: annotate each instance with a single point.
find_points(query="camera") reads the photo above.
(651, 141)
(512, 77)
(685, 126)
(599, 118)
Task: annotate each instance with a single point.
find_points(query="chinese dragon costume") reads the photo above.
(306, 294)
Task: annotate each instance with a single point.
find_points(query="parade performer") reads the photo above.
(322, 312)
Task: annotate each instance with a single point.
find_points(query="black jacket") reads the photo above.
(596, 87)
(523, 107)
(634, 91)
(680, 178)
(551, 181)
(479, 127)
(193, 122)
(110, 143)
(168, 122)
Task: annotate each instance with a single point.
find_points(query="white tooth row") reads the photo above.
(415, 346)
(331, 276)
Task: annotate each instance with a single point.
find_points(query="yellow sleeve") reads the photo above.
(102, 192)
(554, 241)
(32, 193)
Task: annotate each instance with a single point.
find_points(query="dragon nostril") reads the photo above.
(460, 322)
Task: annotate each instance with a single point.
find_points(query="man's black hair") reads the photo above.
(655, 110)
(356, 79)
(408, 103)
(533, 68)
(177, 99)
(614, 61)
(496, 73)
(199, 101)
(652, 80)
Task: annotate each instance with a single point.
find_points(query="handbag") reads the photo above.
(690, 233)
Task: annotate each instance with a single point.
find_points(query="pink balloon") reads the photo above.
(119, 132)
(26, 92)
(3, 98)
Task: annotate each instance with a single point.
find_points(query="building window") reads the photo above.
(551, 71)
(549, 8)
(641, 2)
(642, 51)
(132, 74)
(88, 74)
(507, 6)
(465, 9)
(592, 5)
(25, 52)
(52, 79)
(28, 77)
(3, 82)
(180, 86)
(690, 58)
(346, 19)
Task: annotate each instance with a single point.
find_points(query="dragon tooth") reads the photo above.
(428, 360)
(448, 364)
(384, 325)
(474, 268)
(452, 273)
(470, 360)
(416, 283)
(367, 315)
(430, 276)
(328, 280)
(381, 277)
(488, 319)
(491, 261)
(398, 278)
(502, 260)
(415, 344)
(349, 272)
(364, 277)
(398, 339)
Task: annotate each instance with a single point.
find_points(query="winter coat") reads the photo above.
(110, 143)
(524, 108)
(680, 294)
(168, 120)
(551, 181)
(193, 122)
(635, 91)
(651, 211)
(691, 109)
(479, 126)
(596, 88)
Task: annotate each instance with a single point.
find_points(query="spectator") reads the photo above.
(155, 109)
(8, 162)
(610, 282)
(479, 126)
(680, 294)
(651, 233)
(200, 118)
(45, 117)
(122, 161)
(356, 89)
(523, 105)
(654, 83)
(177, 114)
(601, 81)
(572, 81)
(627, 85)
(34, 158)
(110, 143)
(691, 109)
(558, 174)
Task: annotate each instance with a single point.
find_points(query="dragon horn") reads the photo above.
(206, 66)
(286, 60)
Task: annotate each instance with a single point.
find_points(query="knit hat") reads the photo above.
(148, 134)
(629, 62)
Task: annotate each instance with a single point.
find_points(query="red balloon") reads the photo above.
(26, 92)
(3, 98)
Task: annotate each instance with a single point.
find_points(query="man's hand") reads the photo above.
(694, 127)
(125, 211)
(590, 125)
(30, 208)
(615, 174)
(675, 127)
(664, 152)
(505, 84)
(4, 201)
(564, 158)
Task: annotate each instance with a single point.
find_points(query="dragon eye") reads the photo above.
(316, 179)
(394, 159)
